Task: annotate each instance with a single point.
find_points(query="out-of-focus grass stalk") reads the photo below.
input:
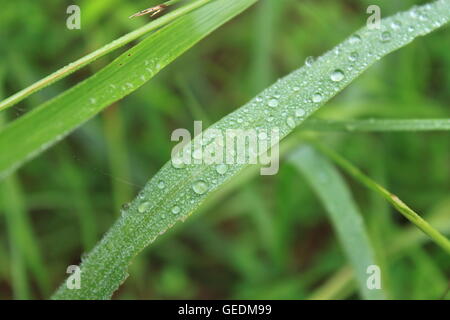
(23, 245)
(78, 190)
(398, 204)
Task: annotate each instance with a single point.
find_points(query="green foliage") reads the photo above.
(263, 239)
(344, 213)
(175, 192)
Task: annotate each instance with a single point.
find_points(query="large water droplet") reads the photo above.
(290, 122)
(200, 187)
(337, 75)
(353, 56)
(176, 210)
(317, 97)
(309, 61)
(143, 207)
(125, 206)
(386, 36)
(299, 112)
(178, 164)
(396, 24)
(355, 39)
(221, 168)
(273, 103)
(161, 184)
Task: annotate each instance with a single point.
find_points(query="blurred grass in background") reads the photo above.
(265, 237)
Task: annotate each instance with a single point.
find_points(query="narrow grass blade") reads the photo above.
(171, 195)
(116, 44)
(378, 125)
(19, 277)
(343, 212)
(25, 252)
(398, 204)
(50, 122)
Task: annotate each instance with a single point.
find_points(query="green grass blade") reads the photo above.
(50, 122)
(158, 208)
(343, 212)
(398, 204)
(378, 125)
(25, 252)
(110, 47)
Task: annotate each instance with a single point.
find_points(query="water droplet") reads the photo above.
(200, 187)
(355, 39)
(161, 184)
(291, 122)
(92, 100)
(353, 56)
(317, 97)
(337, 75)
(221, 168)
(299, 112)
(176, 210)
(296, 89)
(177, 164)
(273, 103)
(386, 36)
(197, 154)
(309, 61)
(396, 24)
(143, 207)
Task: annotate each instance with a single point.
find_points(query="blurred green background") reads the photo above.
(263, 237)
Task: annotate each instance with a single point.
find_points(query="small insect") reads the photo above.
(153, 11)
